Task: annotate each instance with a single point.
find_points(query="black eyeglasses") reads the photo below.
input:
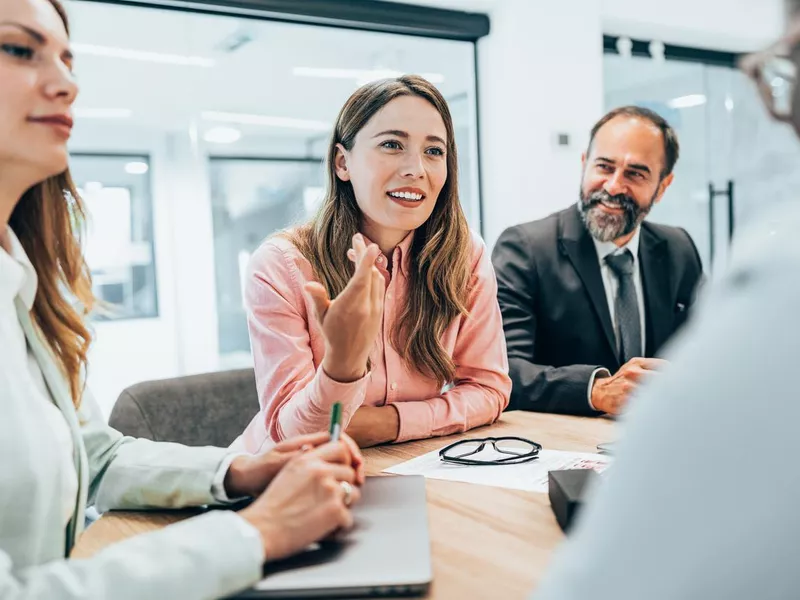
(509, 451)
(775, 74)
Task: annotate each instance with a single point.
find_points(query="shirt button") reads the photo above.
(394, 386)
(380, 260)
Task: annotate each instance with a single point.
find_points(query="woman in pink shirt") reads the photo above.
(412, 344)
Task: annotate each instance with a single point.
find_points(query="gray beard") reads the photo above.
(605, 227)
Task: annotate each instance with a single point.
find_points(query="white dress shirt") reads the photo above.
(611, 285)
(210, 556)
(18, 278)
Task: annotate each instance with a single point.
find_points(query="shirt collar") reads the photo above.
(21, 283)
(606, 248)
(402, 252)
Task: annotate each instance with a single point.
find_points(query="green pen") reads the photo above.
(336, 421)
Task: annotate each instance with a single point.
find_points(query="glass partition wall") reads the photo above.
(197, 136)
(735, 160)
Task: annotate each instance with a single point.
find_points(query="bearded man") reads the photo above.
(591, 294)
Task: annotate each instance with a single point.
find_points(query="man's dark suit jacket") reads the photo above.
(555, 313)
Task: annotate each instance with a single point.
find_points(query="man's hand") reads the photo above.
(610, 394)
(373, 425)
(250, 475)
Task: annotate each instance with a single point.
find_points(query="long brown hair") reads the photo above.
(439, 270)
(48, 221)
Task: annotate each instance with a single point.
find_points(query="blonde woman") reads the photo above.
(431, 360)
(57, 455)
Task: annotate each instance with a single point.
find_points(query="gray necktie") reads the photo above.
(626, 307)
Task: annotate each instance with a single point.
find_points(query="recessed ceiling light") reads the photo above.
(657, 50)
(103, 113)
(361, 75)
(624, 47)
(142, 55)
(264, 120)
(136, 168)
(689, 101)
(222, 135)
(729, 103)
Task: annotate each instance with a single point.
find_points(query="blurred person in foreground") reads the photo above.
(701, 502)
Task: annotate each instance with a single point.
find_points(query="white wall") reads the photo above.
(733, 25)
(539, 74)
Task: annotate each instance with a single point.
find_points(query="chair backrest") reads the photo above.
(199, 410)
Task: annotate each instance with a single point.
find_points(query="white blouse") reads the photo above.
(18, 278)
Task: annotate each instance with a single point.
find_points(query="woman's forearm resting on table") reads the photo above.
(464, 407)
(373, 425)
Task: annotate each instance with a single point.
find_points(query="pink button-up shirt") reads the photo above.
(296, 395)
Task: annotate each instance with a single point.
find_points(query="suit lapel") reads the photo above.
(656, 286)
(577, 242)
(60, 395)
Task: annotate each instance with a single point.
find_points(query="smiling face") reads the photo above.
(622, 177)
(37, 89)
(397, 166)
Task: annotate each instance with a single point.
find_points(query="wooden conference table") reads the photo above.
(486, 542)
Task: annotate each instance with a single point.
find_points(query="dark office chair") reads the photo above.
(199, 410)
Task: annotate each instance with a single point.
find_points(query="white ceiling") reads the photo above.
(622, 74)
(256, 78)
(734, 25)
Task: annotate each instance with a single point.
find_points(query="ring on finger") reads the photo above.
(348, 492)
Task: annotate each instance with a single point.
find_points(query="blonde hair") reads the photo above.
(439, 270)
(48, 221)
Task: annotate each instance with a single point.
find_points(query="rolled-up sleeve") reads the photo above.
(295, 394)
(481, 386)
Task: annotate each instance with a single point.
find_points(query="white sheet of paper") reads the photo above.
(530, 476)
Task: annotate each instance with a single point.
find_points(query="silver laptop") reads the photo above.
(387, 553)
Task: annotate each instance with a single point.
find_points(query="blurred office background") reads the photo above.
(201, 131)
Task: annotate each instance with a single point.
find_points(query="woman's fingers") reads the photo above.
(297, 443)
(319, 300)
